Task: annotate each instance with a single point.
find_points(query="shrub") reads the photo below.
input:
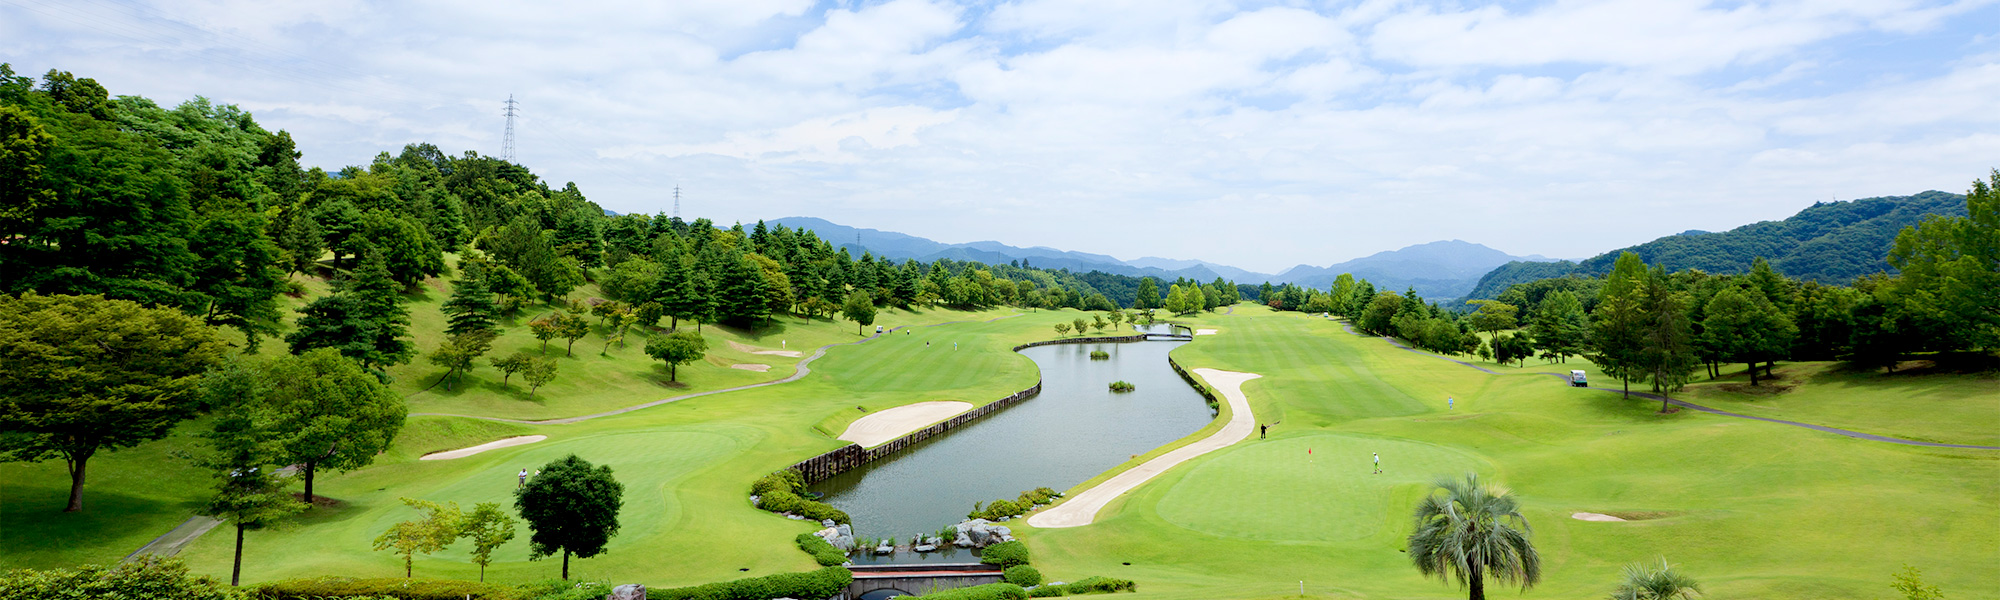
(1023, 575)
(780, 493)
(1092, 585)
(991, 591)
(149, 578)
(822, 552)
(1001, 508)
(823, 583)
(557, 589)
(1099, 355)
(1122, 386)
(381, 587)
(1005, 554)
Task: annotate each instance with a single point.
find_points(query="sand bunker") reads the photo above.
(751, 367)
(1204, 332)
(464, 452)
(742, 347)
(899, 421)
(1082, 508)
(1590, 516)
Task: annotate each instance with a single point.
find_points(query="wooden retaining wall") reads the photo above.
(848, 457)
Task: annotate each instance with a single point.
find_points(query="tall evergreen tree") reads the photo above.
(1669, 355)
(470, 308)
(1148, 295)
(1745, 327)
(1559, 327)
(1619, 339)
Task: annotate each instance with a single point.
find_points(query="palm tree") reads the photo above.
(1473, 531)
(1665, 583)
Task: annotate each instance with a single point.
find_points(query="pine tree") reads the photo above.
(381, 306)
(1148, 295)
(471, 306)
(1619, 338)
(1668, 358)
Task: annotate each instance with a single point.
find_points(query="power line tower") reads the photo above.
(507, 143)
(677, 202)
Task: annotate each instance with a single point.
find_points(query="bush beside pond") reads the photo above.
(1005, 554)
(781, 492)
(1122, 386)
(823, 553)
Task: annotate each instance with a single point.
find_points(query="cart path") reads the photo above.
(1692, 406)
(804, 369)
(1081, 509)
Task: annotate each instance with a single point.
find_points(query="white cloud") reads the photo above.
(1301, 134)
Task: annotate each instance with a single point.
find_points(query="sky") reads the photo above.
(1253, 134)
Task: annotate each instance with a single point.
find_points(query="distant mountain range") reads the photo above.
(1443, 270)
(1829, 242)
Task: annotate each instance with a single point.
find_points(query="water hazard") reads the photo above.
(1076, 429)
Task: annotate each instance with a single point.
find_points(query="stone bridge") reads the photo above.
(876, 582)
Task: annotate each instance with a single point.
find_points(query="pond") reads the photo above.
(1076, 429)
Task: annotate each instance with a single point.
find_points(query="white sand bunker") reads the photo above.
(1204, 332)
(742, 347)
(1082, 508)
(1590, 516)
(899, 421)
(751, 367)
(464, 452)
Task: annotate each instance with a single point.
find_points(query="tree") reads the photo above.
(1079, 325)
(1743, 326)
(332, 414)
(1062, 329)
(675, 349)
(571, 507)
(1559, 327)
(1668, 357)
(1097, 322)
(1619, 337)
(1117, 316)
(605, 309)
(81, 374)
(511, 364)
(489, 529)
(248, 493)
(539, 373)
(1493, 316)
(1911, 583)
(1148, 294)
(1952, 267)
(572, 328)
(860, 308)
(471, 306)
(546, 328)
(1665, 583)
(460, 353)
(1470, 531)
(364, 319)
(437, 530)
(1380, 315)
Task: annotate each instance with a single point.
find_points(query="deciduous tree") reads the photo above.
(332, 414)
(571, 508)
(83, 374)
(675, 349)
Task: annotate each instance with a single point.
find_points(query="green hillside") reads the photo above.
(1829, 242)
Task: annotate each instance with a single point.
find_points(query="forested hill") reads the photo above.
(1829, 242)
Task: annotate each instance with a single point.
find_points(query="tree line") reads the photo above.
(1643, 324)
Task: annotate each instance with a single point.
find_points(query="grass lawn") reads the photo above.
(1918, 404)
(1750, 509)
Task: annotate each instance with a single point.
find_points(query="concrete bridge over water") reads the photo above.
(878, 582)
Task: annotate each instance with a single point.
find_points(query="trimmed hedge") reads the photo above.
(823, 583)
(824, 553)
(780, 493)
(991, 591)
(1022, 575)
(557, 589)
(1089, 585)
(381, 587)
(1005, 554)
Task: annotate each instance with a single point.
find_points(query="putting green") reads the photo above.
(1276, 490)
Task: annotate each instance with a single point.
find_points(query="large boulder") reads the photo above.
(630, 591)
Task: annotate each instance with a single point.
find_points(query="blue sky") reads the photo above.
(1256, 134)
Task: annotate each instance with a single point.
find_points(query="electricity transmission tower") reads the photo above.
(677, 202)
(507, 143)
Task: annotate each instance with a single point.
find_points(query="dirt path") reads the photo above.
(1082, 508)
(495, 445)
(171, 542)
(1692, 406)
(885, 425)
(804, 369)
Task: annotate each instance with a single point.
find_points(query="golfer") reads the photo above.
(1449, 402)
(1378, 462)
(524, 478)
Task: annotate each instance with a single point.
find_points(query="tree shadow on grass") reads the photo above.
(34, 522)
